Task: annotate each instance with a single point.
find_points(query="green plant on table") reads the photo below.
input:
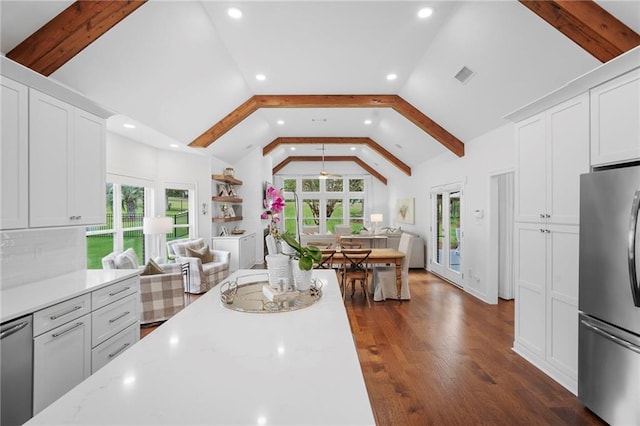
(307, 255)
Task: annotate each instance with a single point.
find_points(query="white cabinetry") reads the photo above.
(13, 154)
(61, 349)
(66, 164)
(615, 120)
(75, 338)
(552, 152)
(546, 321)
(241, 247)
(114, 321)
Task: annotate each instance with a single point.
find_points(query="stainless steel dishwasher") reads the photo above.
(16, 369)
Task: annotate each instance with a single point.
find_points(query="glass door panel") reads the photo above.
(454, 231)
(439, 230)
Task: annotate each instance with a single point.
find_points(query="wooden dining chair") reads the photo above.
(349, 245)
(327, 260)
(355, 267)
(320, 244)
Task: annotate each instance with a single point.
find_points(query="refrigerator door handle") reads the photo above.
(633, 230)
(611, 337)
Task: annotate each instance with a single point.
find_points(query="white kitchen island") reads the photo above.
(211, 365)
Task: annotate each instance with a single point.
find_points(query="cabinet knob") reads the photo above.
(548, 231)
(541, 215)
(547, 215)
(541, 230)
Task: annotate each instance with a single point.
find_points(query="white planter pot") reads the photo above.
(279, 267)
(301, 279)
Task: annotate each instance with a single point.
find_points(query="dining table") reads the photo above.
(381, 256)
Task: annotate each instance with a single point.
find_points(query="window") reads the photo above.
(126, 206)
(178, 206)
(325, 203)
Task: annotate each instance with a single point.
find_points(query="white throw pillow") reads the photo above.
(127, 260)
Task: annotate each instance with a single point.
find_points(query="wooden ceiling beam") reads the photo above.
(319, 158)
(395, 102)
(66, 35)
(588, 25)
(339, 141)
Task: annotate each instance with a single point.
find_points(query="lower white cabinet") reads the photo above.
(76, 337)
(546, 303)
(241, 247)
(61, 360)
(102, 354)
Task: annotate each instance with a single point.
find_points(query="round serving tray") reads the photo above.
(245, 294)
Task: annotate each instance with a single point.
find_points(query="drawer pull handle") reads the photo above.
(119, 291)
(55, 317)
(119, 316)
(78, 324)
(119, 350)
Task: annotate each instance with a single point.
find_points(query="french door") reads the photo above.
(447, 233)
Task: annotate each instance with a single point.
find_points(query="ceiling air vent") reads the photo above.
(464, 75)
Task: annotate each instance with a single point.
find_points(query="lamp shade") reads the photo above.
(157, 225)
(377, 217)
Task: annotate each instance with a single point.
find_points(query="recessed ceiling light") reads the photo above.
(353, 148)
(174, 145)
(261, 77)
(293, 148)
(425, 13)
(391, 76)
(367, 121)
(129, 126)
(234, 13)
(280, 122)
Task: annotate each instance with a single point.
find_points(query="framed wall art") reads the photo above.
(405, 210)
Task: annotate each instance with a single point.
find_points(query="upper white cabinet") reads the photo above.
(66, 164)
(552, 152)
(13, 154)
(615, 120)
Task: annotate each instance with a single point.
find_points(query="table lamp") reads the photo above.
(376, 219)
(156, 226)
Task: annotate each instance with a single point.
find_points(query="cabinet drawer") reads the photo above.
(106, 295)
(109, 320)
(61, 313)
(110, 349)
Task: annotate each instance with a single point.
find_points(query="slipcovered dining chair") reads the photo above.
(384, 277)
(272, 247)
(343, 229)
(161, 285)
(355, 267)
(206, 267)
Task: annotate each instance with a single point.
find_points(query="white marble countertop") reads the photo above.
(26, 299)
(211, 365)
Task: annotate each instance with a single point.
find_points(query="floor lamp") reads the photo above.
(156, 226)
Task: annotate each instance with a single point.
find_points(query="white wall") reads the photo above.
(484, 156)
(158, 168)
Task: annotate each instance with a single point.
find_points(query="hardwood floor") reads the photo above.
(445, 358)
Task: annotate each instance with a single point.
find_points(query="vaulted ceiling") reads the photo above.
(184, 70)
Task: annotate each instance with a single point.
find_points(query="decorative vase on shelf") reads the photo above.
(301, 278)
(279, 267)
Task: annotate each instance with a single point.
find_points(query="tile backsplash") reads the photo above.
(29, 255)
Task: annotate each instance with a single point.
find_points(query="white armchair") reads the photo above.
(384, 277)
(206, 267)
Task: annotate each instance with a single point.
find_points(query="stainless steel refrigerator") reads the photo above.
(609, 331)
